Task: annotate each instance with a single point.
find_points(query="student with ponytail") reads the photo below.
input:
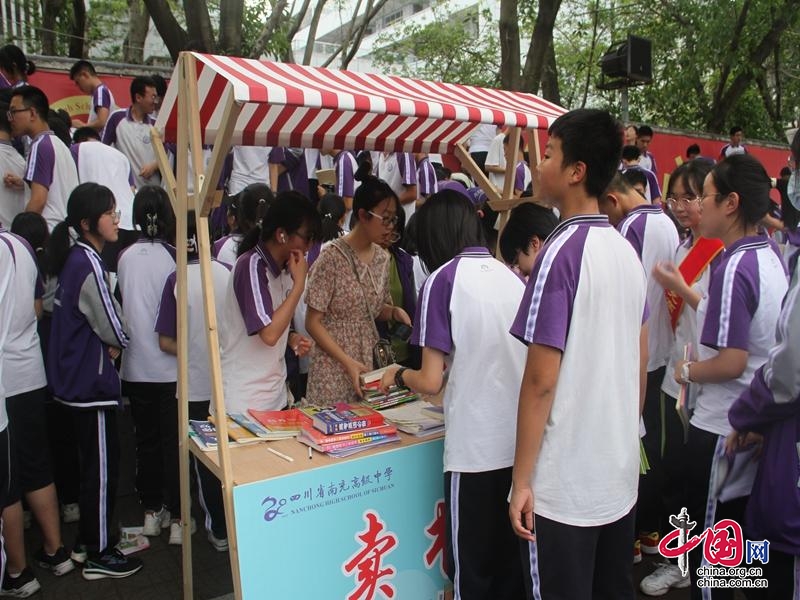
(148, 374)
(265, 286)
(249, 206)
(88, 334)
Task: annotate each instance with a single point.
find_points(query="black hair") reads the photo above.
(153, 213)
(620, 184)
(745, 175)
(594, 138)
(632, 177)
(409, 241)
(290, 211)
(631, 152)
(364, 162)
(80, 66)
(331, 209)
(370, 193)
(87, 201)
(160, 83)
(83, 134)
(250, 206)
(14, 61)
(692, 174)
(446, 224)
(33, 97)
(5, 125)
(693, 149)
(32, 227)
(139, 85)
(525, 221)
(644, 131)
(795, 146)
(59, 127)
(507, 138)
(734, 130)
(785, 172)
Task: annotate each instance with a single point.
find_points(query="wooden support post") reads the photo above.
(512, 152)
(463, 155)
(222, 144)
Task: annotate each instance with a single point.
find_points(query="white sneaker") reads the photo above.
(70, 513)
(154, 522)
(220, 545)
(665, 577)
(176, 532)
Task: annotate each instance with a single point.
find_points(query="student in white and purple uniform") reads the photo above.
(250, 206)
(523, 237)
(427, 183)
(7, 268)
(736, 146)
(654, 237)
(644, 135)
(584, 378)
(50, 171)
(87, 335)
(345, 168)
(15, 68)
(767, 413)
(292, 170)
(464, 310)
(148, 374)
(15, 194)
(264, 288)
(102, 100)
(737, 332)
(25, 383)
(631, 161)
(166, 326)
(399, 170)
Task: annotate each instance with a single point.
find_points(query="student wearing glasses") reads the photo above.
(348, 290)
(265, 286)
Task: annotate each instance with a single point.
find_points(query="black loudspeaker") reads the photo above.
(631, 59)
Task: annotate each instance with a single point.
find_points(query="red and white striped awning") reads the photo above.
(286, 104)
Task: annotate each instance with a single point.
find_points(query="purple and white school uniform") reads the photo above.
(132, 138)
(295, 177)
(253, 373)
(648, 161)
(101, 98)
(427, 183)
(652, 189)
(345, 166)
(51, 165)
(99, 163)
(226, 249)
(398, 169)
(522, 176)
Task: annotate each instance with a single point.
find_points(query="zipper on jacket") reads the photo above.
(100, 367)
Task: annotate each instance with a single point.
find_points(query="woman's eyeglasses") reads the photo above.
(388, 221)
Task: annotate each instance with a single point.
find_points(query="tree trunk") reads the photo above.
(270, 27)
(541, 45)
(372, 10)
(138, 25)
(231, 13)
(509, 45)
(198, 25)
(550, 89)
(174, 36)
(77, 42)
(50, 11)
(312, 31)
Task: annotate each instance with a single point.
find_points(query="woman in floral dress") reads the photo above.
(348, 289)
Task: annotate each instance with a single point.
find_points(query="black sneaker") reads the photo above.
(59, 563)
(111, 563)
(20, 587)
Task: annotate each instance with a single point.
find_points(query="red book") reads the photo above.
(279, 420)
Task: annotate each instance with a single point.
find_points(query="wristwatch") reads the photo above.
(685, 372)
(398, 377)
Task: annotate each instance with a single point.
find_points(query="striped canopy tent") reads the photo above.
(222, 101)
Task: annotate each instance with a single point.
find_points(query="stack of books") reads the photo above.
(243, 429)
(346, 429)
(375, 398)
(280, 423)
(420, 418)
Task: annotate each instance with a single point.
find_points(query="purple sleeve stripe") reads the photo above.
(423, 306)
(108, 304)
(541, 279)
(726, 301)
(34, 151)
(634, 232)
(258, 299)
(407, 168)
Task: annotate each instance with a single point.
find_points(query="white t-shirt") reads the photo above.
(6, 281)
(496, 156)
(482, 138)
(740, 311)
(167, 321)
(398, 169)
(586, 297)
(24, 367)
(253, 373)
(132, 138)
(50, 164)
(465, 309)
(12, 201)
(250, 165)
(226, 249)
(107, 166)
(655, 239)
(143, 269)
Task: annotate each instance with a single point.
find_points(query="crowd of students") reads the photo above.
(561, 362)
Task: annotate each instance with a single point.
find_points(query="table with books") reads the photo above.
(348, 504)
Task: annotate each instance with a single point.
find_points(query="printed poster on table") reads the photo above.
(370, 528)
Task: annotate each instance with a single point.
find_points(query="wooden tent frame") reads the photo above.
(203, 200)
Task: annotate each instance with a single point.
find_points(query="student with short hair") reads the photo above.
(465, 307)
(736, 320)
(84, 75)
(644, 135)
(263, 290)
(735, 146)
(577, 501)
(632, 161)
(528, 227)
(166, 326)
(88, 333)
(148, 374)
(250, 205)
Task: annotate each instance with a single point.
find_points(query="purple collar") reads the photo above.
(750, 242)
(271, 264)
(590, 220)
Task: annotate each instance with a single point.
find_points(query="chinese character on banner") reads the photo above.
(365, 564)
(723, 543)
(436, 530)
(757, 551)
